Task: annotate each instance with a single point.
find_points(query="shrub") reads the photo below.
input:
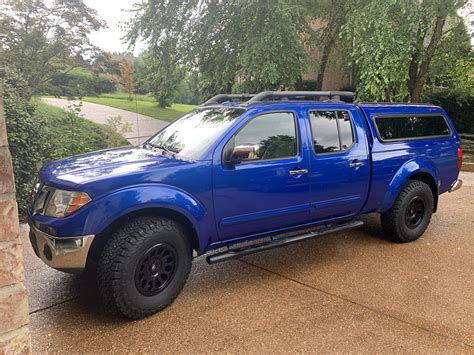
(70, 134)
(27, 135)
(38, 133)
(105, 84)
(309, 85)
(459, 106)
(81, 82)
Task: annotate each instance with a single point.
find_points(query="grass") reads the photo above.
(70, 135)
(145, 105)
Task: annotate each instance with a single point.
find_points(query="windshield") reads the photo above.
(191, 135)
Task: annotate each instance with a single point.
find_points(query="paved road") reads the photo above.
(346, 292)
(142, 127)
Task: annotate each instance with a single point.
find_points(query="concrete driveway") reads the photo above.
(142, 127)
(346, 292)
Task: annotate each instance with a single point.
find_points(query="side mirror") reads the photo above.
(242, 153)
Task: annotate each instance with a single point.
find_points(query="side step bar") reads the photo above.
(280, 242)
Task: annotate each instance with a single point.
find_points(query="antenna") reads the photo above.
(138, 120)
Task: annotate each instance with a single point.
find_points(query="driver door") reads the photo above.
(261, 179)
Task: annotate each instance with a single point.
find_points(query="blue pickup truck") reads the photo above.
(241, 177)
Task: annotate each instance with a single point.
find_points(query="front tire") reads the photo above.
(410, 214)
(144, 266)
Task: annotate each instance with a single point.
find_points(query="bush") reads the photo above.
(70, 134)
(459, 106)
(105, 84)
(27, 135)
(38, 133)
(81, 82)
(309, 85)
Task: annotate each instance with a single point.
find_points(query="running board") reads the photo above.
(280, 242)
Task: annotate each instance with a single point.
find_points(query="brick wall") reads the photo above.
(14, 334)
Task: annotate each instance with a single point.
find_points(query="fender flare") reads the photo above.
(403, 174)
(109, 208)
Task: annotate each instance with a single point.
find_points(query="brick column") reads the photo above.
(14, 334)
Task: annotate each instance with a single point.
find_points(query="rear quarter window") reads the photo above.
(393, 128)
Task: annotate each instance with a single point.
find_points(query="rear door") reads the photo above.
(339, 163)
(269, 190)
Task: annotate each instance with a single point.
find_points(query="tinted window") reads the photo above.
(269, 136)
(345, 130)
(331, 130)
(394, 127)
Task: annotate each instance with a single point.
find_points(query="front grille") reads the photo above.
(41, 200)
(39, 197)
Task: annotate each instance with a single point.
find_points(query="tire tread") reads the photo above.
(390, 219)
(120, 246)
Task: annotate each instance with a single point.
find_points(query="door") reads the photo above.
(339, 163)
(260, 181)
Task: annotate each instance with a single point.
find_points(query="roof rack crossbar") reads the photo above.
(287, 95)
(218, 99)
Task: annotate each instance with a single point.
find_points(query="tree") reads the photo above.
(42, 41)
(393, 43)
(161, 76)
(450, 67)
(430, 28)
(256, 40)
(333, 15)
(126, 76)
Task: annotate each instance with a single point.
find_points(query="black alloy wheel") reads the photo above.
(414, 212)
(156, 269)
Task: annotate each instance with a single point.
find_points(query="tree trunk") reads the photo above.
(417, 80)
(324, 61)
(329, 38)
(415, 58)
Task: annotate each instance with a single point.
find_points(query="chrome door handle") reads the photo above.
(298, 172)
(356, 164)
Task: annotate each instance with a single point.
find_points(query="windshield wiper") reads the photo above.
(162, 148)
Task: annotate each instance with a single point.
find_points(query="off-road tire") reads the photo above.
(124, 253)
(396, 221)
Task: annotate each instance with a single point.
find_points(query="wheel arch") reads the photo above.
(421, 170)
(110, 211)
(101, 239)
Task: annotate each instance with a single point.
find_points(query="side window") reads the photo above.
(268, 136)
(331, 130)
(411, 127)
(345, 130)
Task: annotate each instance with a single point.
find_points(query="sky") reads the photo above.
(109, 39)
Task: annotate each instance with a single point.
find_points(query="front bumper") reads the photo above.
(68, 254)
(456, 185)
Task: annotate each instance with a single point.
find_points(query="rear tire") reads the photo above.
(410, 214)
(144, 266)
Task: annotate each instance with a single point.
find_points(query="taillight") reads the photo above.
(459, 158)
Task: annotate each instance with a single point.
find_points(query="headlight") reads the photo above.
(63, 203)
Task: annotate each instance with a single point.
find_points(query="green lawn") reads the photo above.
(70, 135)
(145, 105)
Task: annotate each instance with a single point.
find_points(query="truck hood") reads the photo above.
(102, 165)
